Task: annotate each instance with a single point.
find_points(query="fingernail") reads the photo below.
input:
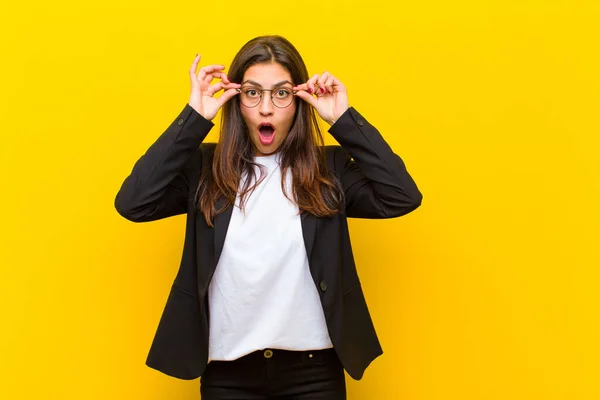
(322, 90)
(310, 91)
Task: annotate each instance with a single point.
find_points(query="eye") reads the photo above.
(251, 92)
(282, 93)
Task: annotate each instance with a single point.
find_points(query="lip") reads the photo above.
(266, 124)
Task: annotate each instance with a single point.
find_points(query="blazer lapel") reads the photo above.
(309, 225)
(221, 226)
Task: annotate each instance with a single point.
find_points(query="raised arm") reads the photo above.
(160, 182)
(375, 180)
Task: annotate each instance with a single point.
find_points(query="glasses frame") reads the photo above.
(261, 96)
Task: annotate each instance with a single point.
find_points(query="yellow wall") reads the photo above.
(489, 291)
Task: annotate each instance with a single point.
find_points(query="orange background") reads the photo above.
(488, 291)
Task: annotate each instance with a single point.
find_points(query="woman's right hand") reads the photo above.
(202, 92)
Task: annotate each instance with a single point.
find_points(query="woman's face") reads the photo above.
(267, 124)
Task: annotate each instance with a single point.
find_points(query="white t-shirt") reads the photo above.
(262, 294)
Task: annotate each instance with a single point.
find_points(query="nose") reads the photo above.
(266, 105)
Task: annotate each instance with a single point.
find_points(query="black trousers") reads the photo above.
(276, 375)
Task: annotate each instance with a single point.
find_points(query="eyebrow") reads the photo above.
(259, 85)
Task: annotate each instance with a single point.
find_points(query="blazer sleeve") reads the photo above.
(159, 184)
(375, 181)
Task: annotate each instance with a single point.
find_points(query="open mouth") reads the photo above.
(266, 133)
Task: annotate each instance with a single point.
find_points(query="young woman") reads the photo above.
(267, 303)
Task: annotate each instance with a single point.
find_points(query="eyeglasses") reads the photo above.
(251, 96)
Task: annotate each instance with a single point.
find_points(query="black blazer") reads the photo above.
(162, 184)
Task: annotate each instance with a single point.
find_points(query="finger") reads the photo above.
(194, 66)
(232, 86)
(337, 85)
(303, 86)
(221, 75)
(226, 96)
(307, 97)
(329, 84)
(208, 78)
(220, 86)
(215, 88)
(311, 83)
(321, 82)
(209, 69)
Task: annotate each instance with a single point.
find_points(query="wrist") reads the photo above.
(334, 118)
(198, 110)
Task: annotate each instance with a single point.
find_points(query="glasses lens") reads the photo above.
(282, 97)
(250, 96)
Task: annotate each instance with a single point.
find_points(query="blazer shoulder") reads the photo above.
(332, 152)
(207, 149)
(337, 158)
(201, 159)
(206, 152)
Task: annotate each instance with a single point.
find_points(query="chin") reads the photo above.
(267, 151)
(261, 149)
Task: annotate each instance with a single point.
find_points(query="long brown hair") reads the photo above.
(302, 152)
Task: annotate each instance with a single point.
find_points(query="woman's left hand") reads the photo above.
(331, 99)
